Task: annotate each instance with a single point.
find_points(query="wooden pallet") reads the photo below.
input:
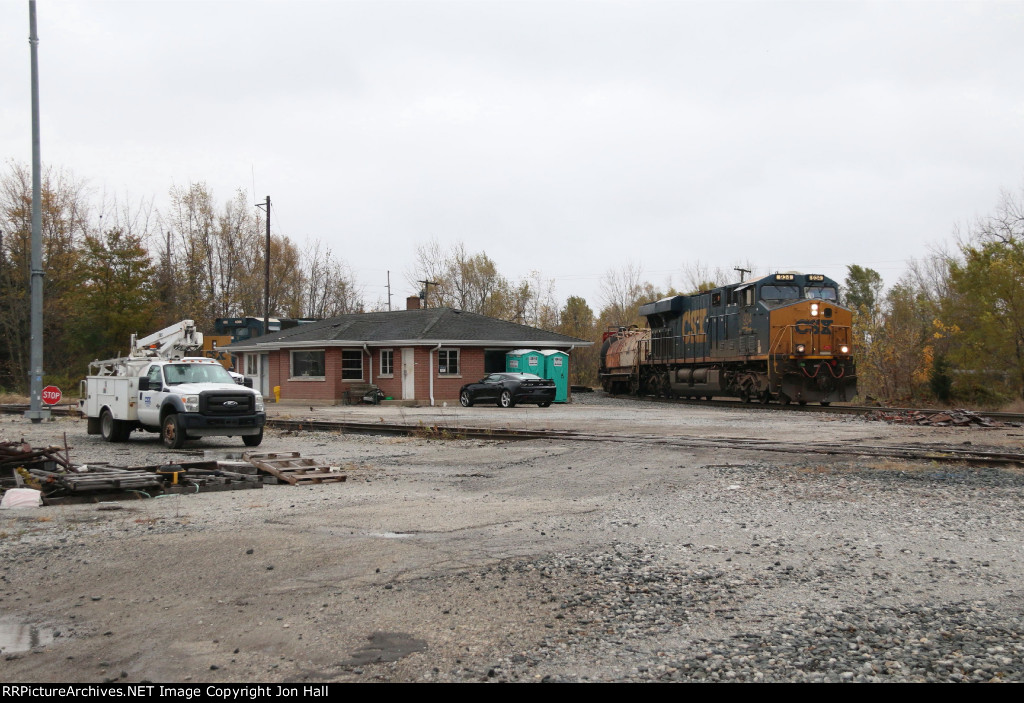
(291, 468)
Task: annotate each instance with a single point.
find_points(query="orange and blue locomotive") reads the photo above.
(780, 337)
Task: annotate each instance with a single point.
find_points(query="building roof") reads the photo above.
(409, 327)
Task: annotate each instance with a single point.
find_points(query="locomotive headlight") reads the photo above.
(800, 348)
(814, 309)
(844, 349)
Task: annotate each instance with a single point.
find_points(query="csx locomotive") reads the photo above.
(781, 337)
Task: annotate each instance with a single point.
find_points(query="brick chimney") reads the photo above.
(412, 302)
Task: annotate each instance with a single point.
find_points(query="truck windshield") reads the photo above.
(196, 373)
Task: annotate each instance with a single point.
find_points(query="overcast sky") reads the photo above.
(566, 137)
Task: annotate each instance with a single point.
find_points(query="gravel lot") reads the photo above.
(481, 560)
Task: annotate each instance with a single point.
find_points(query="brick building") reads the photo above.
(421, 355)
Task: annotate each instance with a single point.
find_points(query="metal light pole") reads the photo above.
(36, 413)
(266, 273)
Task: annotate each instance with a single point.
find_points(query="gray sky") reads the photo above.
(565, 137)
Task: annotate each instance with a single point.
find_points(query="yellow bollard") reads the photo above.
(277, 394)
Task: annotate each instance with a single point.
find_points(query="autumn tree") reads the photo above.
(65, 222)
(576, 319)
(465, 281)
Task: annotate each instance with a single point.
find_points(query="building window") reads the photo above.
(250, 365)
(351, 365)
(308, 364)
(387, 362)
(448, 362)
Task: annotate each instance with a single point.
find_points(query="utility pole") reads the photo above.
(266, 273)
(389, 291)
(36, 413)
(426, 288)
(741, 270)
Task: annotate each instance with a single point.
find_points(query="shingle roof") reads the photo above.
(428, 326)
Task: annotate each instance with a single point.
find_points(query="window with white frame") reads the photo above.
(448, 362)
(351, 365)
(250, 365)
(308, 363)
(387, 362)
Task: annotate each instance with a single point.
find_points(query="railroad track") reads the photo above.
(942, 454)
(959, 454)
(795, 407)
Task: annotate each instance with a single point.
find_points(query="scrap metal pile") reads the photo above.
(50, 471)
(949, 418)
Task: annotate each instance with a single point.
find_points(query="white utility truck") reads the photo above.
(157, 388)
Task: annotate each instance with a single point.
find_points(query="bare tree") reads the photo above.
(330, 286)
(621, 290)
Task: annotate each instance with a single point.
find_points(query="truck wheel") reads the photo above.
(111, 429)
(253, 440)
(171, 433)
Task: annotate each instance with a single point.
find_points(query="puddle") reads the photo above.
(386, 647)
(17, 636)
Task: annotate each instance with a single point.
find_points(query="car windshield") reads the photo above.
(196, 373)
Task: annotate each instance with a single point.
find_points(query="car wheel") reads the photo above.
(505, 400)
(253, 440)
(464, 399)
(544, 405)
(171, 432)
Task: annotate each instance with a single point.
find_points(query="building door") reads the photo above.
(265, 375)
(408, 374)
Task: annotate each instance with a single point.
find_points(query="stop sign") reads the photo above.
(51, 395)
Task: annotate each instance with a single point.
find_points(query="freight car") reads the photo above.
(781, 337)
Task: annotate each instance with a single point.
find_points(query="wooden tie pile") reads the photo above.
(949, 418)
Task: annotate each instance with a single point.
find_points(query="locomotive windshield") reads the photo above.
(780, 292)
(821, 293)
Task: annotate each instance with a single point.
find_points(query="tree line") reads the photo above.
(114, 268)
(951, 329)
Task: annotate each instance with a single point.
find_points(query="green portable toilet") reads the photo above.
(556, 367)
(525, 361)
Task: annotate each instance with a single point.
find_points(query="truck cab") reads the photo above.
(197, 397)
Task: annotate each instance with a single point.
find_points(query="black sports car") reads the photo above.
(507, 389)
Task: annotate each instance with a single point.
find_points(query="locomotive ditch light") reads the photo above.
(844, 349)
(800, 348)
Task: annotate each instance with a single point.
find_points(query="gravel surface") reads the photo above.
(480, 560)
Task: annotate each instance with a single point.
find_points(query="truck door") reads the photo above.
(149, 400)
